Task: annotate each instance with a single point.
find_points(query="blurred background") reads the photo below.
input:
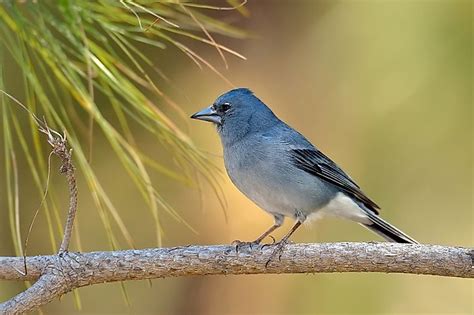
(382, 87)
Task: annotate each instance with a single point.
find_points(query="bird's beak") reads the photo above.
(208, 114)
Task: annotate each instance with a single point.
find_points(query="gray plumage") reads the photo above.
(282, 172)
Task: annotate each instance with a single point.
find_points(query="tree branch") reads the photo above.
(60, 274)
(59, 144)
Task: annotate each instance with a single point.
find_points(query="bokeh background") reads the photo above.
(382, 87)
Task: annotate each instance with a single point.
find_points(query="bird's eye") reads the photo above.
(225, 107)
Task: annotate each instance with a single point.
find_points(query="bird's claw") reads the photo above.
(240, 244)
(270, 244)
(273, 239)
(279, 247)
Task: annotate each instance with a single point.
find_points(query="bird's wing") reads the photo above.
(316, 163)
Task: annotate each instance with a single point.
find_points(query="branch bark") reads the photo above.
(59, 274)
(59, 144)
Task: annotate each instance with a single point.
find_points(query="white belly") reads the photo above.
(341, 206)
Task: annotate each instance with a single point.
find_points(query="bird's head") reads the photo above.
(236, 113)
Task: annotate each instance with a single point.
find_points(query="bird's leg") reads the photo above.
(276, 225)
(267, 232)
(281, 244)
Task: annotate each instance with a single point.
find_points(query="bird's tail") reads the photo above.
(386, 230)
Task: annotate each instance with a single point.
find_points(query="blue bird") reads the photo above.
(283, 173)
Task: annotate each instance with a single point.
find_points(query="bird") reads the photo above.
(278, 169)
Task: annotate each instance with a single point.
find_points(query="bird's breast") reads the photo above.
(267, 177)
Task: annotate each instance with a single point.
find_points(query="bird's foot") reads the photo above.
(240, 244)
(277, 251)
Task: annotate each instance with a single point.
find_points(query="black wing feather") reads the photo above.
(316, 163)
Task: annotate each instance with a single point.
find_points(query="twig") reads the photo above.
(60, 274)
(59, 144)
